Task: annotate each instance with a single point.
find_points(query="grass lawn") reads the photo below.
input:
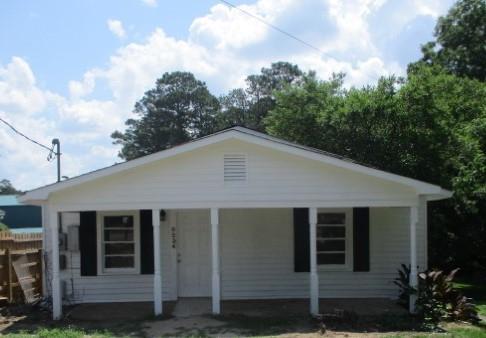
(458, 331)
(475, 291)
(58, 333)
(453, 332)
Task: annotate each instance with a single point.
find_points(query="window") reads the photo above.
(333, 237)
(119, 243)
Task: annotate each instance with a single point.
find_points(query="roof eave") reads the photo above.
(440, 195)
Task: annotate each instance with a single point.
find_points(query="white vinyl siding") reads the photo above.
(257, 257)
(256, 244)
(257, 261)
(195, 180)
(118, 287)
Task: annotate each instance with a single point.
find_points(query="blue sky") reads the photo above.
(73, 70)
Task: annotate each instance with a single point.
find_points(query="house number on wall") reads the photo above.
(173, 235)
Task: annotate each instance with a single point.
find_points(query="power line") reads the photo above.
(280, 30)
(51, 150)
(274, 27)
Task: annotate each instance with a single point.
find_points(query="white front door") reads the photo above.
(193, 254)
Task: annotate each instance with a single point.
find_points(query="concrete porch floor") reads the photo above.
(188, 307)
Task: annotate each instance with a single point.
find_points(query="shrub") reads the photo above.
(437, 299)
(403, 283)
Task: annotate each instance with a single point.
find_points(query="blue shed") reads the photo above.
(18, 217)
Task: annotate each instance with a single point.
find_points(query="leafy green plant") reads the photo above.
(463, 308)
(437, 298)
(403, 283)
(431, 304)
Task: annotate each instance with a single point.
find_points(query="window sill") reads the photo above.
(334, 268)
(119, 272)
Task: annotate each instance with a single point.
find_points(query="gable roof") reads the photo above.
(248, 135)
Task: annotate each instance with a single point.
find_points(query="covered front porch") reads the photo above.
(246, 258)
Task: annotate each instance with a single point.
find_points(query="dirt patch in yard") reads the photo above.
(300, 327)
(294, 326)
(31, 319)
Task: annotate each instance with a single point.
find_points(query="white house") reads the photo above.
(234, 215)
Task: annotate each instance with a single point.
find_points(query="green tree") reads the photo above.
(363, 124)
(236, 110)
(248, 107)
(178, 109)
(308, 113)
(6, 188)
(460, 37)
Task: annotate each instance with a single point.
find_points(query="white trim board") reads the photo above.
(243, 134)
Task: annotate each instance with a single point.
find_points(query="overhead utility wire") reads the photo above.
(278, 29)
(274, 27)
(51, 150)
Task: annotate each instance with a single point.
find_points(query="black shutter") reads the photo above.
(361, 239)
(87, 243)
(301, 240)
(146, 243)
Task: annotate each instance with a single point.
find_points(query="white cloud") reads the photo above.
(135, 67)
(78, 89)
(18, 91)
(227, 27)
(116, 27)
(150, 3)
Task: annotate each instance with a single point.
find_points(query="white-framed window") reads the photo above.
(118, 242)
(334, 238)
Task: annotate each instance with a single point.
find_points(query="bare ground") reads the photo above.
(30, 319)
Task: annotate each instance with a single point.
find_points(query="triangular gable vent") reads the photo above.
(235, 168)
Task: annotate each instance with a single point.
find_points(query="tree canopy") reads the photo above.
(459, 44)
(179, 108)
(6, 188)
(249, 106)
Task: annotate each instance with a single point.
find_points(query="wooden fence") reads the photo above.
(20, 267)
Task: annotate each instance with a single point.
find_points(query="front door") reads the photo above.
(193, 254)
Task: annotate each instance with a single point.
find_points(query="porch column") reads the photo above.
(216, 287)
(157, 273)
(314, 278)
(56, 283)
(413, 255)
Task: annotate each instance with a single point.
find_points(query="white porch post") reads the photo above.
(216, 287)
(413, 255)
(157, 273)
(56, 283)
(314, 278)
